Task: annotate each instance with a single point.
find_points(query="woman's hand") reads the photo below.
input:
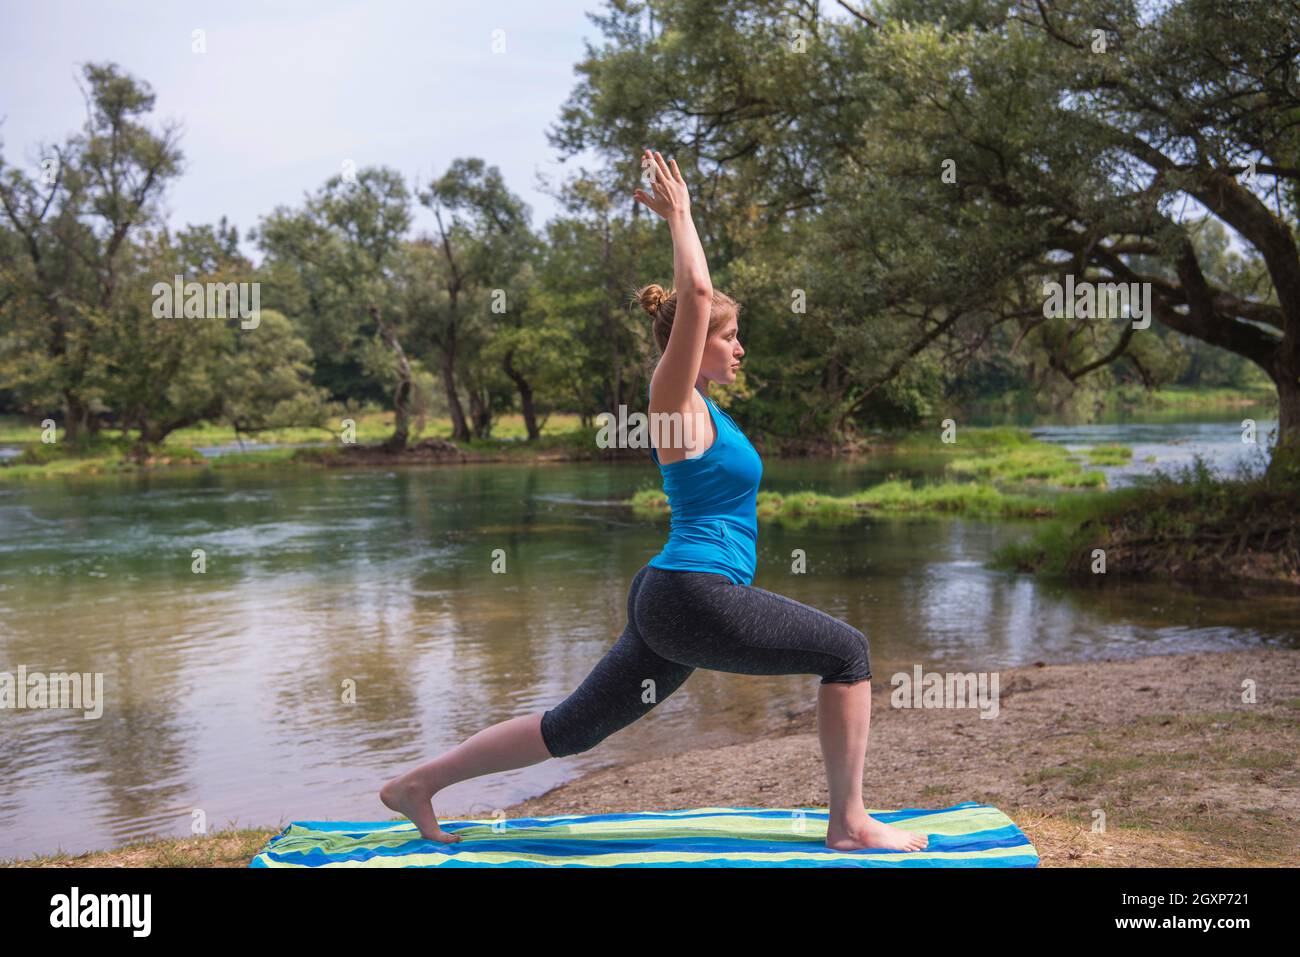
(670, 197)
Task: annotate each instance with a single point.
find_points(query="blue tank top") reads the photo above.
(714, 501)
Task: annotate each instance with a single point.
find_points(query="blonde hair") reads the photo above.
(663, 307)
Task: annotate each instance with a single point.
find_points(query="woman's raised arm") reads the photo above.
(679, 367)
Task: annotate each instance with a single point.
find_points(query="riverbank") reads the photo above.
(1188, 526)
(1131, 399)
(1186, 773)
(184, 451)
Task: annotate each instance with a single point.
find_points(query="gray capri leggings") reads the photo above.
(679, 621)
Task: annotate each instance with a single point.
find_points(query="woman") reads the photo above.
(692, 606)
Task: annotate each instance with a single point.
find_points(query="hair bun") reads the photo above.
(651, 296)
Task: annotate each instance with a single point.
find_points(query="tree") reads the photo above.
(483, 250)
(343, 246)
(73, 228)
(211, 362)
(594, 343)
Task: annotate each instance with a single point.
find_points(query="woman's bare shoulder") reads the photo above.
(695, 431)
(695, 403)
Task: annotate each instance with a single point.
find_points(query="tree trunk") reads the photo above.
(459, 430)
(525, 397)
(402, 394)
(150, 435)
(1284, 467)
(480, 413)
(78, 425)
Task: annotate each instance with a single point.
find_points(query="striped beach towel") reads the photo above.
(964, 835)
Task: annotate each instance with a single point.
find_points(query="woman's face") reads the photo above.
(722, 352)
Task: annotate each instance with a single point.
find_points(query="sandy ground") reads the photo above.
(1185, 772)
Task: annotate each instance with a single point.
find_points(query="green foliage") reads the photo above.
(891, 497)
(1109, 455)
(969, 439)
(1052, 465)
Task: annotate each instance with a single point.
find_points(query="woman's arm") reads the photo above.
(674, 377)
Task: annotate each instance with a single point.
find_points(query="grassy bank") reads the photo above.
(1195, 397)
(1171, 401)
(990, 473)
(109, 453)
(372, 425)
(114, 457)
(893, 497)
(1186, 525)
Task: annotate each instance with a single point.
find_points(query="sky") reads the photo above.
(286, 92)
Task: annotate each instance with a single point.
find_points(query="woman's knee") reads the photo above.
(857, 659)
(566, 738)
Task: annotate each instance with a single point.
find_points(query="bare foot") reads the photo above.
(407, 797)
(870, 833)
